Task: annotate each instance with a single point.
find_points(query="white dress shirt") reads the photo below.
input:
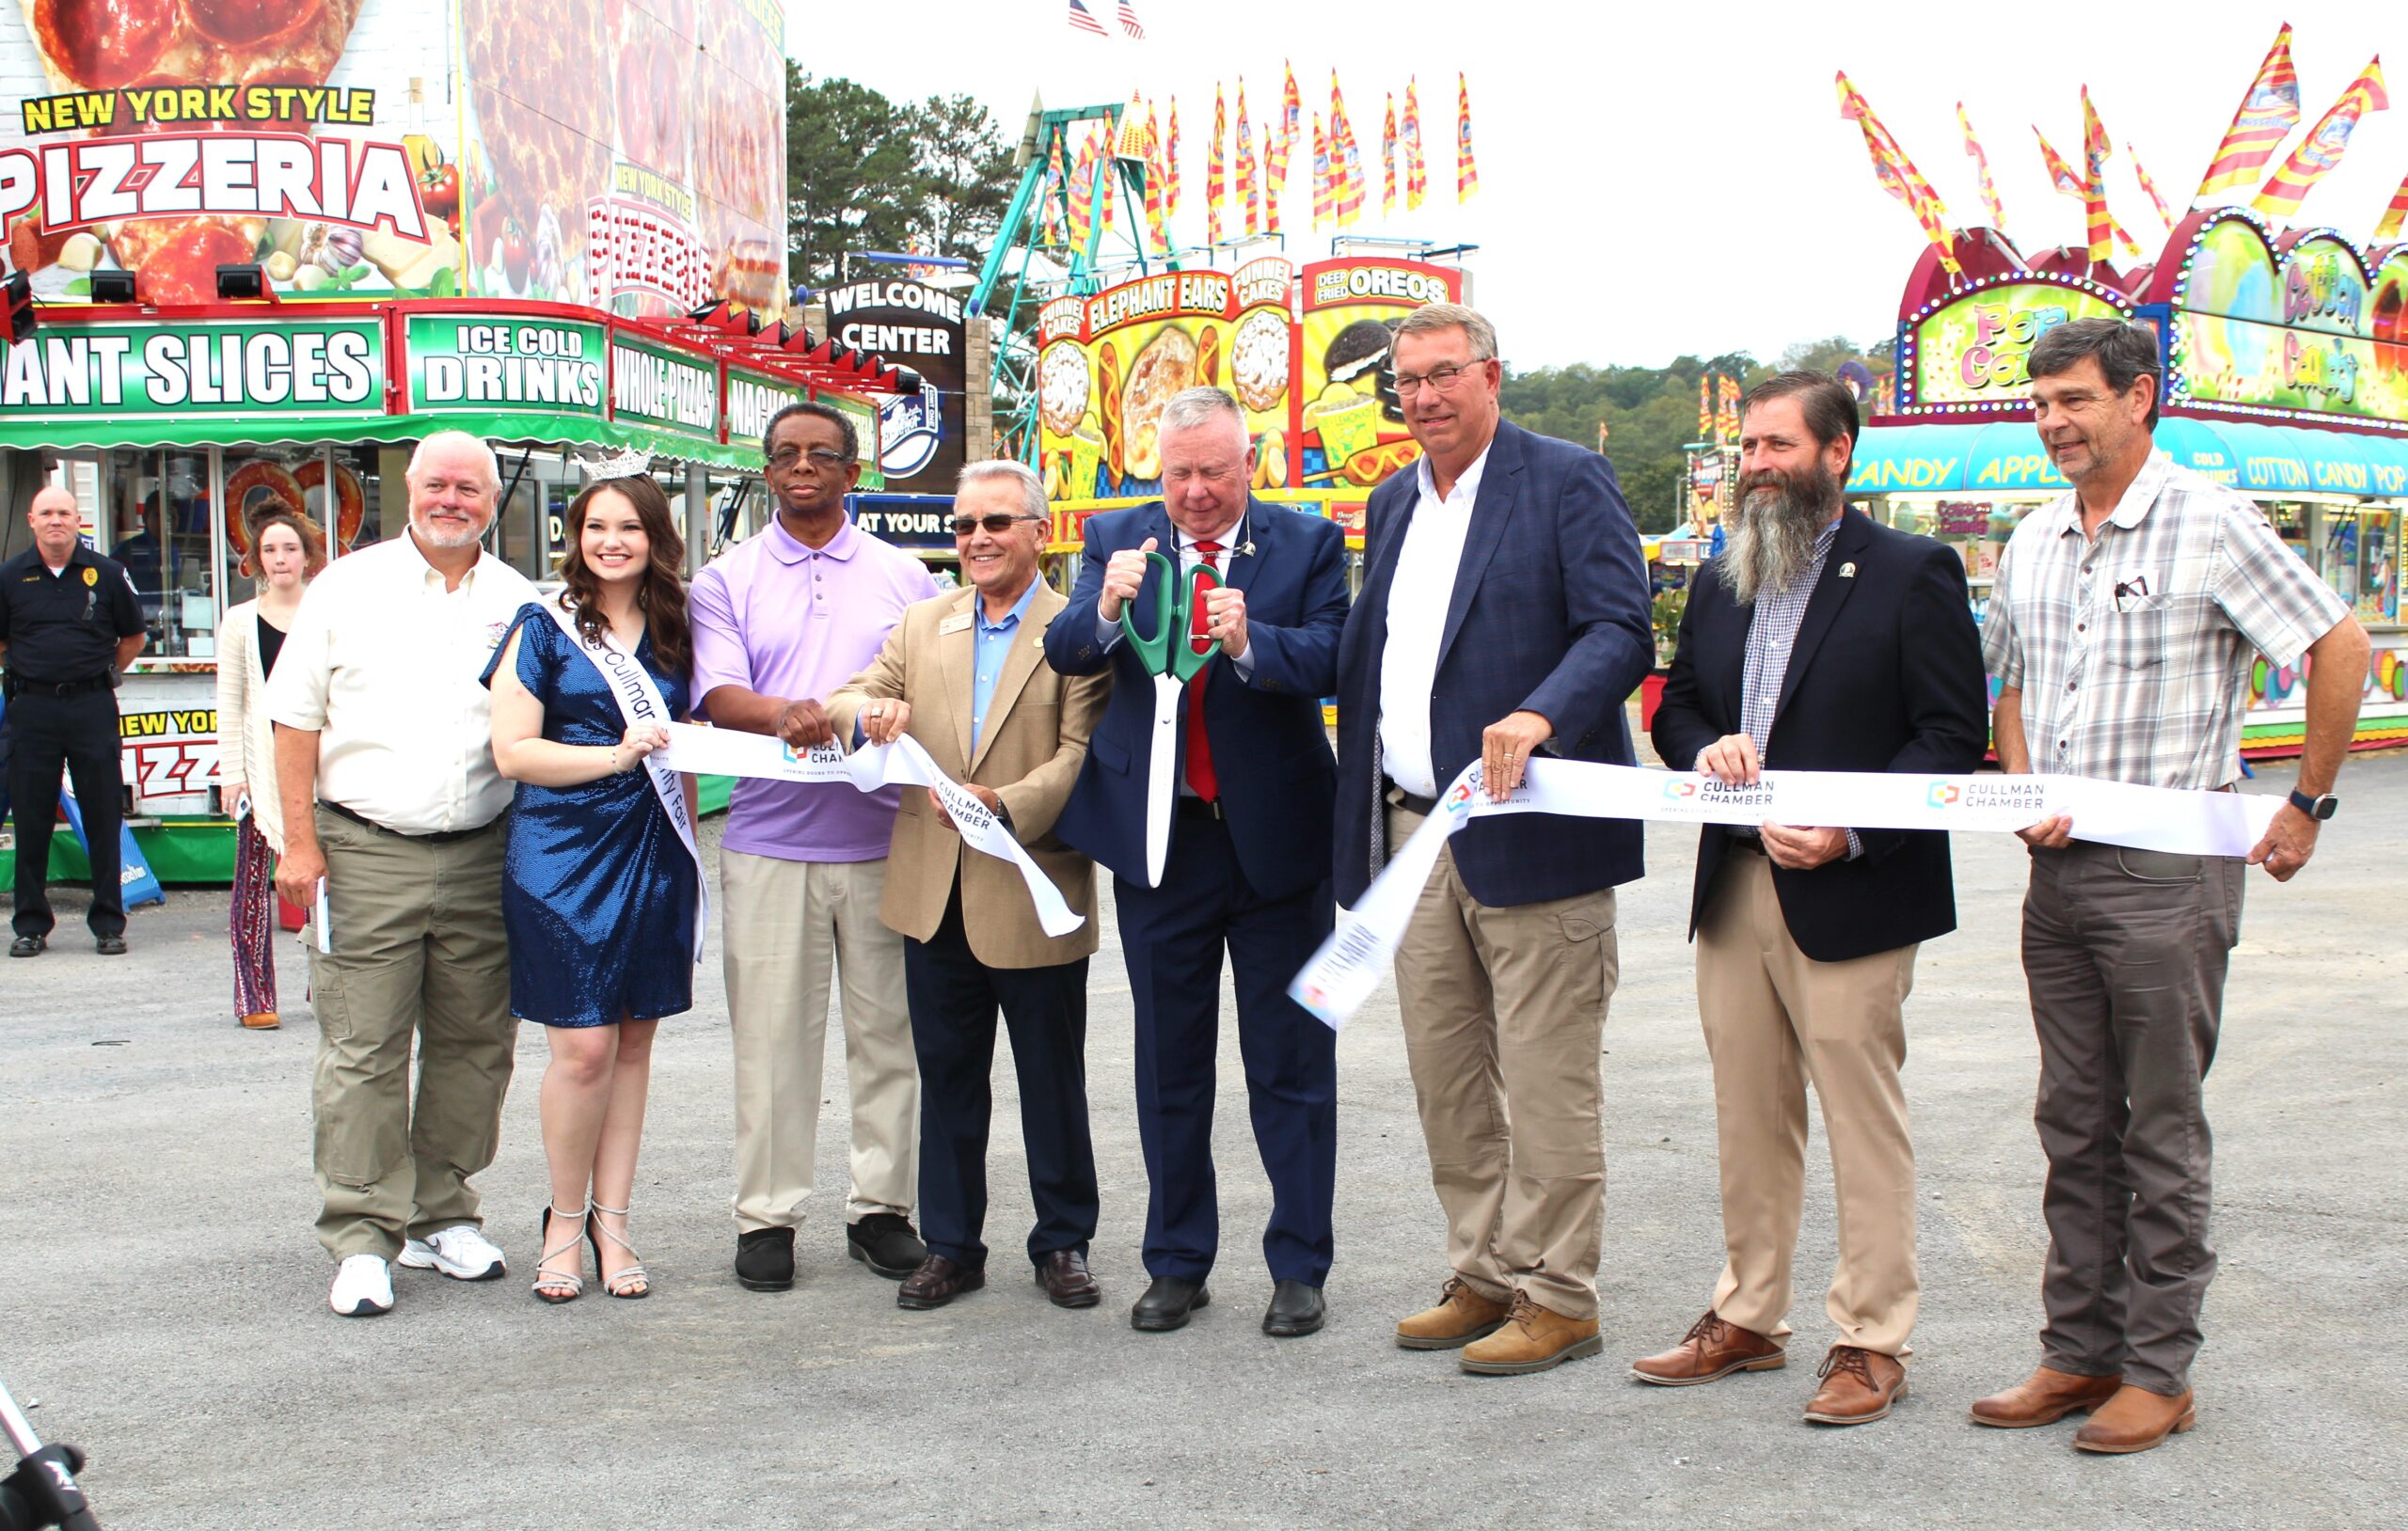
(1416, 618)
(383, 665)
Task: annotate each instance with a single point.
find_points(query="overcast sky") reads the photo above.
(1668, 179)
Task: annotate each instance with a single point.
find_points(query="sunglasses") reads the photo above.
(964, 524)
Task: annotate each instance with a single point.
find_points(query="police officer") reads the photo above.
(69, 625)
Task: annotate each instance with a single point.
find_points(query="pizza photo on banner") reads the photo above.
(169, 137)
(922, 435)
(625, 154)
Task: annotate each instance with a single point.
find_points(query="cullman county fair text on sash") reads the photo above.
(1351, 962)
(722, 752)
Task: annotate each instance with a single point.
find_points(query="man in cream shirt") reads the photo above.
(383, 754)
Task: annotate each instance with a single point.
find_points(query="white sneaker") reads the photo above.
(461, 1252)
(363, 1287)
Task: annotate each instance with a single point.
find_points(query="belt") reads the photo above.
(436, 837)
(1424, 807)
(1191, 807)
(17, 685)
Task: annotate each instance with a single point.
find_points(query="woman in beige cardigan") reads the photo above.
(287, 552)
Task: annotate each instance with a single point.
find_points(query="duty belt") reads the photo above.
(17, 685)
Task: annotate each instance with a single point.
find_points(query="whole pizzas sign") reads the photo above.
(169, 137)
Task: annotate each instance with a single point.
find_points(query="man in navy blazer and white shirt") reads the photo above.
(1248, 864)
(1504, 610)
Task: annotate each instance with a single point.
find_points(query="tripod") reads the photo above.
(42, 1492)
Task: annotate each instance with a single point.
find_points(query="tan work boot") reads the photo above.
(1859, 1386)
(1533, 1339)
(1714, 1347)
(2135, 1419)
(1460, 1317)
(2043, 1398)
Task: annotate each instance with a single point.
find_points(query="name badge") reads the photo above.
(954, 624)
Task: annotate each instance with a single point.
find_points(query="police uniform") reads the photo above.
(62, 631)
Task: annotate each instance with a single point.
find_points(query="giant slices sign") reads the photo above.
(251, 373)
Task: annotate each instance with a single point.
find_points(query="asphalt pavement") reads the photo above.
(163, 1300)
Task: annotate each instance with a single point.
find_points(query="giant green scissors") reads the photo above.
(1172, 660)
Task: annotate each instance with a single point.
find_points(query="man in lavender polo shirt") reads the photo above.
(779, 623)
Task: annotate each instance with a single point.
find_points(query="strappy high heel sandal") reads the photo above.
(557, 1286)
(617, 1286)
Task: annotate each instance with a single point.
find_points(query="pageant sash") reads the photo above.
(725, 751)
(1349, 966)
(641, 701)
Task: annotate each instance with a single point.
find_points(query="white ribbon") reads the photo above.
(640, 703)
(722, 751)
(1348, 966)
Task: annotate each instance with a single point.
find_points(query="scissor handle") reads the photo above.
(1168, 652)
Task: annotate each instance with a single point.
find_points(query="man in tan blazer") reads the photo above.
(965, 675)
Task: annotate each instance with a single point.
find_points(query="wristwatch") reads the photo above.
(2315, 808)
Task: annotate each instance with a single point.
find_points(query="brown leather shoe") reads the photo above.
(2043, 1398)
(1460, 1317)
(2135, 1419)
(1067, 1280)
(937, 1282)
(1859, 1386)
(1712, 1349)
(261, 1021)
(1533, 1339)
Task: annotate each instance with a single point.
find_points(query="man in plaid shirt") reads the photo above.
(2121, 628)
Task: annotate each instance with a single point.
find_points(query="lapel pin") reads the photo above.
(1848, 571)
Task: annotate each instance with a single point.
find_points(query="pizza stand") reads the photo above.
(172, 425)
(2286, 365)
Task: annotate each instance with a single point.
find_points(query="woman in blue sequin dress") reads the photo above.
(600, 892)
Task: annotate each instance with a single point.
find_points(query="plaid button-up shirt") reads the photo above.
(2132, 648)
(1772, 635)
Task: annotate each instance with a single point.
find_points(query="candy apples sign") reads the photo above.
(169, 137)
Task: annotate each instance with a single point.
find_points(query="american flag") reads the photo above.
(1082, 19)
(1129, 21)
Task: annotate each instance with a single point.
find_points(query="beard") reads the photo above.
(1771, 542)
(433, 535)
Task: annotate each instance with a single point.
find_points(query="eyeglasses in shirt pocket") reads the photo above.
(2136, 637)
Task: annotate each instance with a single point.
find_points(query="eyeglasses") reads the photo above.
(1441, 378)
(964, 524)
(820, 458)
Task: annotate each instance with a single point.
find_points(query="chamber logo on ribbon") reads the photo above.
(1941, 794)
(1679, 787)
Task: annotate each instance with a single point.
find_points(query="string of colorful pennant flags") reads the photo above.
(2268, 114)
(1245, 176)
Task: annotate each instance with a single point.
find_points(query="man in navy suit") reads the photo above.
(1504, 610)
(1819, 641)
(1249, 860)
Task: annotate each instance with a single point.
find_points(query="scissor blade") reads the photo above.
(1162, 777)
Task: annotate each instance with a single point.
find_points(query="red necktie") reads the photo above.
(1200, 779)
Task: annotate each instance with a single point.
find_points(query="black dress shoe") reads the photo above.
(109, 945)
(1167, 1304)
(884, 1241)
(937, 1282)
(1296, 1309)
(765, 1259)
(1067, 1280)
(29, 946)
